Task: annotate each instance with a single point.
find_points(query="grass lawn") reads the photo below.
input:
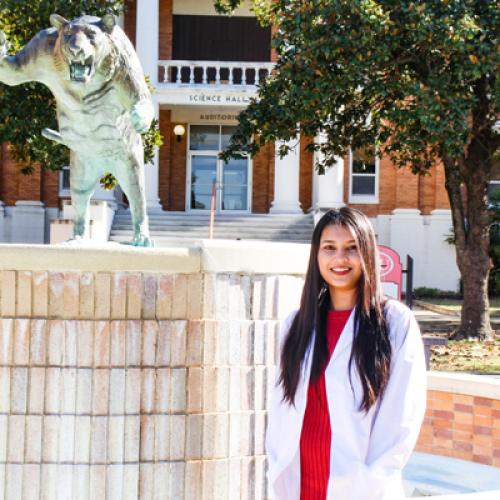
(467, 356)
(456, 304)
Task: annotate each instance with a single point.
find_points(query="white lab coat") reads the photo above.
(368, 452)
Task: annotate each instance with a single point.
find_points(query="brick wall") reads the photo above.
(39, 186)
(135, 385)
(166, 29)
(50, 188)
(14, 185)
(172, 165)
(130, 18)
(165, 158)
(462, 426)
(399, 188)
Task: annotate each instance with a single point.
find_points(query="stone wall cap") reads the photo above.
(485, 386)
(213, 256)
(99, 257)
(262, 257)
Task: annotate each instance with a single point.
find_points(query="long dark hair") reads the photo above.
(371, 349)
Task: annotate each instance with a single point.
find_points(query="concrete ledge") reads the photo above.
(213, 256)
(109, 257)
(255, 257)
(464, 383)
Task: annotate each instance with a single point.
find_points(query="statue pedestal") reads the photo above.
(101, 219)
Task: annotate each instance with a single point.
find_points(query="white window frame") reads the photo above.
(189, 155)
(364, 198)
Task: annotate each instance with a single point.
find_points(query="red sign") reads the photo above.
(391, 272)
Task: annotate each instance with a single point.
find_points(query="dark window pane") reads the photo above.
(65, 179)
(220, 38)
(204, 137)
(363, 161)
(363, 185)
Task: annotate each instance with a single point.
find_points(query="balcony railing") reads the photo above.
(213, 72)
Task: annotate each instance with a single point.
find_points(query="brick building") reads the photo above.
(205, 68)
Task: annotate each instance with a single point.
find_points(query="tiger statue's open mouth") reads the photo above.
(81, 71)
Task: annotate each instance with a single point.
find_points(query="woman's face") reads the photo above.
(338, 259)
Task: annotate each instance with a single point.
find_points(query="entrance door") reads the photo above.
(207, 173)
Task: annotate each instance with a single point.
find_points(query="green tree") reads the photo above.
(26, 109)
(417, 78)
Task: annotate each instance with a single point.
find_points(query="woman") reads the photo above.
(351, 387)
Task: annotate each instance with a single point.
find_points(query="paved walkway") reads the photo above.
(442, 322)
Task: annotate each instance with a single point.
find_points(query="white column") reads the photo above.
(152, 172)
(147, 37)
(286, 181)
(147, 50)
(328, 188)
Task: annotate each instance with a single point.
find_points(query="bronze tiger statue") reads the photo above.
(103, 106)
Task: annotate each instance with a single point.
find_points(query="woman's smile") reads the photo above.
(341, 271)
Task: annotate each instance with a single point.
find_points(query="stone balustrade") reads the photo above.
(214, 72)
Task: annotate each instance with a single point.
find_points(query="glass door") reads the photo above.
(203, 177)
(234, 189)
(206, 172)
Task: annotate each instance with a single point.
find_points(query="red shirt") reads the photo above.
(316, 436)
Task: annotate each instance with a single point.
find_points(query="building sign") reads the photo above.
(217, 117)
(201, 115)
(166, 95)
(391, 272)
(218, 99)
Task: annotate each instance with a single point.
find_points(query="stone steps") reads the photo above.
(167, 228)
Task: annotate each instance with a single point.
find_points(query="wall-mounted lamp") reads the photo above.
(179, 131)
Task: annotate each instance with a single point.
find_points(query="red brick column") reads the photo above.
(306, 174)
(165, 159)
(166, 30)
(263, 179)
(130, 15)
(177, 188)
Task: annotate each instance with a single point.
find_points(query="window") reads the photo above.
(363, 176)
(220, 38)
(494, 193)
(64, 187)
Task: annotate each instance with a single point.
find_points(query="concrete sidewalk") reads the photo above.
(430, 321)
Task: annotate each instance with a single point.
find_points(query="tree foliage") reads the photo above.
(416, 78)
(403, 74)
(26, 109)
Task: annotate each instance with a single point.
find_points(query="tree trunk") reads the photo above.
(471, 226)
(475, 320)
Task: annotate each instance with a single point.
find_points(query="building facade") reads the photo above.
(205, 68)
